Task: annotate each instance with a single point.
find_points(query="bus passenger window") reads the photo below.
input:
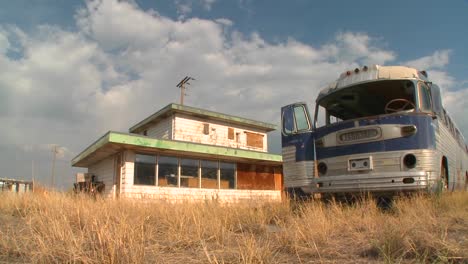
(425, 99)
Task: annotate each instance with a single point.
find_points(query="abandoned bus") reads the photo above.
(378, 129)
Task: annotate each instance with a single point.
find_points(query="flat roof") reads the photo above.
(113, 142)
(369, 74)
(198, 112)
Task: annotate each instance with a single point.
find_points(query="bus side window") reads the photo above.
(334, 119)
(288, 120)
(446, 118)
(436, 100)
(424, 98)
(302, 119)
(320, 116)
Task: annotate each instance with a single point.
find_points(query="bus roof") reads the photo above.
(372, 73)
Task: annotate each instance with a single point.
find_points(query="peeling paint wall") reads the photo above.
(198, 130)
(182, 195)
(162, 130)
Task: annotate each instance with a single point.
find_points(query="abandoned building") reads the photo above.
(184, 153)
(17, 186)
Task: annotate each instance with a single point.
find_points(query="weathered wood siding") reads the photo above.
(127, 171)
(104, 171)
(162, 130)
(193, 129)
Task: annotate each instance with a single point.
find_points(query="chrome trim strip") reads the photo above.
(373, 182)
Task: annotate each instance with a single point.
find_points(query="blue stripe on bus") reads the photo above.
(423, 139)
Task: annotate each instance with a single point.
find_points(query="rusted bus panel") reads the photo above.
(258, 177)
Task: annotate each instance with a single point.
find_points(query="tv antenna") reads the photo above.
(181, 85)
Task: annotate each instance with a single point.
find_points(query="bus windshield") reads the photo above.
(368, 99)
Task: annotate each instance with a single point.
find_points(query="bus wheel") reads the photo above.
(443, 178)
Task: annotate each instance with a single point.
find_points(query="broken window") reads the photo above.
(209, 174)
(167, 171)
(227, 175)
(206, 129)
(231, 133)
(254, 140)
(144, 170)
(189, 173)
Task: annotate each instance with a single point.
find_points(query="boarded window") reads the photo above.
(257, 177)
(206, 129)
(231, 133)
(254, 140)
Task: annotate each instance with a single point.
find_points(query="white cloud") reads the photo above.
(207, 4)
(4, 43)
(183, 9)
(225, 22)
(123, 63)
(438, 60)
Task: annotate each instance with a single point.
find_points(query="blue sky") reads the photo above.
(73, 70)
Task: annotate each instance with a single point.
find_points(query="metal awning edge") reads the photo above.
(125, 139)
(100, 142)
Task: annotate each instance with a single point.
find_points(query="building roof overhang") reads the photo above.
(202, 113)
(114, 142)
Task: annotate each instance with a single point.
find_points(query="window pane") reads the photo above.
(321, 116)
(189, 173)
(144, 172)
(209, 174)
(228, 172)
(425, 99)
(167, 171)
(301, 118)
(288, 120)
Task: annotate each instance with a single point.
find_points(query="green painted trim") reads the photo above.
(143, 141)
(92, 148)
(159, 144)
(202, 112)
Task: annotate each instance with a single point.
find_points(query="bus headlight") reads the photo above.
(407, 131)
(322, 168)
(409, 160)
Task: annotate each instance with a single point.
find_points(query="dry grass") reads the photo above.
(59, 228)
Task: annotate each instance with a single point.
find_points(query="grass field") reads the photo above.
(61, 228)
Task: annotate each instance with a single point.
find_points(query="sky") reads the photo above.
(72, 70)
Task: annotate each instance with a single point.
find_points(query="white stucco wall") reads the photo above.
(104, 171)
(188, 128)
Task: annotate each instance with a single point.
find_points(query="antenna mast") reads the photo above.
(182, 87)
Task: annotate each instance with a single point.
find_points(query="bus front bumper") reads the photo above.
(374, 182)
